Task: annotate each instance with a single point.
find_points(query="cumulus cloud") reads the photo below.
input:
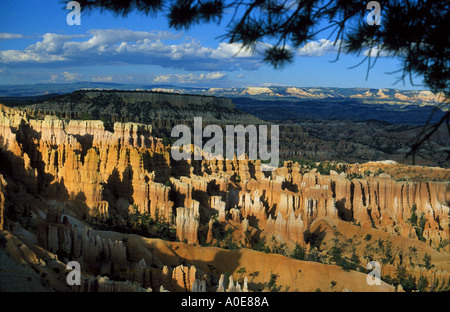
(227, 50)
(189, 78)
(319, 48)
(51, 44)
(163, 78)
(325, 46)
(65, 76)
(14, 56)
(122, 46)
(71, 76)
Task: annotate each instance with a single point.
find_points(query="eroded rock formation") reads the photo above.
(124, 179)
(2, 201)
(82, 162)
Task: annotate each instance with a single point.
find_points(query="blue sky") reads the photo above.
(38, 46)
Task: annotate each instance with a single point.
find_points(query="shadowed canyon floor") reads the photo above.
(113, 199)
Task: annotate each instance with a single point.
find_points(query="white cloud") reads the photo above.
(189, 78)
(10, 36)
(51, 43)
(15, 56)
(122, 46)
(162, 78)
(101, 39)
(231, 50)
(214, 76)
(65, 76)
(70, 76)
(165, 49)
(319, 48)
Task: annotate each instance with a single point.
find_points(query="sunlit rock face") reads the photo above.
(94, 190)
(108, 172)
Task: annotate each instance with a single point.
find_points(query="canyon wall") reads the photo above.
(82, 162)
(111, 173)
(110, 177)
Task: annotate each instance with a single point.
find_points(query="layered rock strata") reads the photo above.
(82, 162)
(107, 176)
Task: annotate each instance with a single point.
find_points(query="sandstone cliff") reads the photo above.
(2, 201)
(82, 162)
(69, 183)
